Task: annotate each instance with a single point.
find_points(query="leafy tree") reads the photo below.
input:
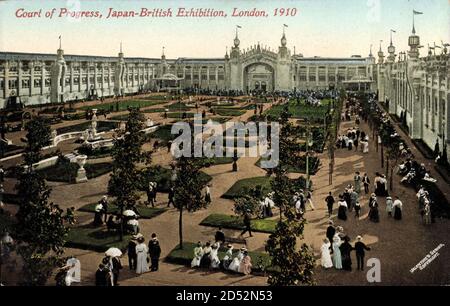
(188, 187)
(248, 203)
(290, 265)
(127, 154)
(40, 228)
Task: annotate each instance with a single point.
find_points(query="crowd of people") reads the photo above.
(128, 222)
(336, 249)
(207, 256)
(141, 259)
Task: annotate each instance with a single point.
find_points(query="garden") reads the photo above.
(263, 183)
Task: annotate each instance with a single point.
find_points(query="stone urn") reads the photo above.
(81, 173)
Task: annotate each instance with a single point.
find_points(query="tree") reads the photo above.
(291, 266)
(127, 154)
(249, 202)
(188, 188)
(40, 228)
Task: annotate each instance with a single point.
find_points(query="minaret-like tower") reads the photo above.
(282, 50)
(380, 55)
(227, 57)
(235, 52)
(414, 43)
(58, 76)
(391, 51)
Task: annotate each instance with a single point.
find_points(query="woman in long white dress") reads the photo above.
(337, 259)
(326, 257)
(215, 261)
(228, 257)
(365, 146)
(198, 253)
(142, 253)
(235, 264)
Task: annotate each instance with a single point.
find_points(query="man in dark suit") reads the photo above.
(247, 224)
(132, 255)
(330, 232)
(220, 236)
(359, 249)
(154, 250)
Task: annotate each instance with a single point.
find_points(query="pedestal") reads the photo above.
(81, 176)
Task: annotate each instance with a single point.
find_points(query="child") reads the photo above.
(357, 209)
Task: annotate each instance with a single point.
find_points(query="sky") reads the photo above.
(319, 28)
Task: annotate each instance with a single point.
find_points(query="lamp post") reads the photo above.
(309, 142)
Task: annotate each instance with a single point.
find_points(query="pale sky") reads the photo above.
(320, 27)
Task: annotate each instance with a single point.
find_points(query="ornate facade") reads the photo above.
(418, 89)
(45, 78)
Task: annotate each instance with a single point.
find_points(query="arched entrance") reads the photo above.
(259, 77)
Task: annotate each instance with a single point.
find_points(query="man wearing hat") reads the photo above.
(154, 251)
(360, 247)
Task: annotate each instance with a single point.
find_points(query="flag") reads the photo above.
(285, 25)
(239, 26)
(59, 36)
(417, 13)
(394, 31)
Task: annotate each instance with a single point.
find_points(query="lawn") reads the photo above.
(95, 238)
(123, 105)
(235, 222)
(65, 171)
(102, 126)
(227, 112)
(260, 261)
(314, 163)
(178, 115)
(144, 212)
(178, 107)
(154, 110)
(241, 187)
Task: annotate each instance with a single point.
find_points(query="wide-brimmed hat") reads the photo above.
(359, 238)
(330, 222)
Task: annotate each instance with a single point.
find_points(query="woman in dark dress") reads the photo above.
(374, 215)
(346, 249)
(205, 262)
(342, 209)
